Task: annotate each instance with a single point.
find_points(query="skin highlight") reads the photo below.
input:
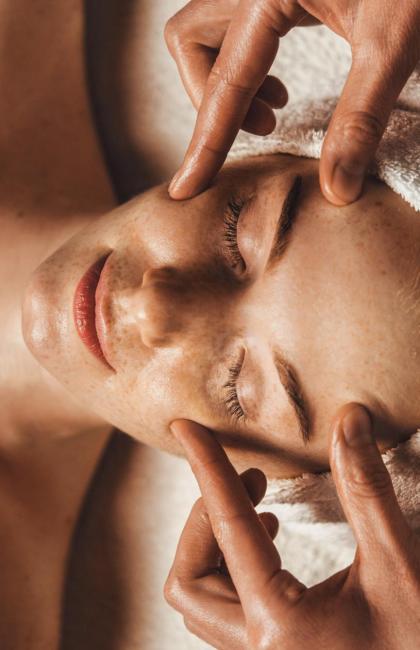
(53, 185)
(178, 311)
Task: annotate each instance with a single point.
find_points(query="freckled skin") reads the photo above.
(176, 314)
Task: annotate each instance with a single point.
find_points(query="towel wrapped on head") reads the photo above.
(314, 66)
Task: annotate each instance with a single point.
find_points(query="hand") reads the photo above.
(255, 603)
(225, 48)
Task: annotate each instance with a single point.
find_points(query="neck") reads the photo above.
(33, 402)
(54, 183)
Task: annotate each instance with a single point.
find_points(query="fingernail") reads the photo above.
(174, 428)
(174, 182)
(356, 426)
(347, 182)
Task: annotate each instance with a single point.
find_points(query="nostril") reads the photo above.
(148, 276)
(151, 340)
(158, 275)
(152, 309)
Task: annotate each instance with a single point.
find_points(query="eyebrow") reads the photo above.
(290, 381)
(285, 222)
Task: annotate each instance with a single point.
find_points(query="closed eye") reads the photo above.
(233, 405)
(230, 222)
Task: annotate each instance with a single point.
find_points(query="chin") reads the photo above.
(39, 323)
(47, 328)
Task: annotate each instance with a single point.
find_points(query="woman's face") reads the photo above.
(256, 309)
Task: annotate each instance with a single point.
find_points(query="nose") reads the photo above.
(157, 307)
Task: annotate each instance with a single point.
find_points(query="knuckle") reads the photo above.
(223, 523)
(224, 75)
(201, 516)
(170, 31)
(360, 128)
(173, 591)
(196, 628)
(280, 15)
(199, 507)
(173, 35)
(369, 482)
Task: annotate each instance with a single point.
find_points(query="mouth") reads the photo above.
(84, 310)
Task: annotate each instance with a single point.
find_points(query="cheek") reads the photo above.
(143, 402)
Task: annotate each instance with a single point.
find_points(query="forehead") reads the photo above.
(248, 170)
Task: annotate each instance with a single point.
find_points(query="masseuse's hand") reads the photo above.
(225, 48)
(254, 603)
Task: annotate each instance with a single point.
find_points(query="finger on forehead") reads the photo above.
(250, 555)
(194, 67)
(231, 86)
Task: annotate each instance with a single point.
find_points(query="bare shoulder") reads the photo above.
(122, 550)
(139, 104)
(52, 159)
(42, 486)
(101, 589)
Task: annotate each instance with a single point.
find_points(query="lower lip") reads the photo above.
(84, 309)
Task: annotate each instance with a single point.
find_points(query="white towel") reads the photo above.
(302, 125)
(312, 520)
(312, 498)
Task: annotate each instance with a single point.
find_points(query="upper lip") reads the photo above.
(87, 316)
(101, 308)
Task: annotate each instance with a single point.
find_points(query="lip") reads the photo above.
(85, 310)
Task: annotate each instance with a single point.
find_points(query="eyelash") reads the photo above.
(231, 218)
(232, 401)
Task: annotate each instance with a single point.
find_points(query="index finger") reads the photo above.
(249, 553)
(246, 55)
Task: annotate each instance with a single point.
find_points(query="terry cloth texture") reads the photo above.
(314, 92)
(314, 535)
(313, 498)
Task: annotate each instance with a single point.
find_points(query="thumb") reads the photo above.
(357, 126)
(364, 485)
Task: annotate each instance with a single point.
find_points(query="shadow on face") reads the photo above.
(256, 308)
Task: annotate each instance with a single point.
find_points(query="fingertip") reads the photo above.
(183, 429)
(172, 188)
(260, 474)
(343, 167)
(346, 183)
(270, 522)
(273, 92)
(357, 427)
(255, 482)
(179, 189)
(327, 191)
(353, 427)
(260, 119)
